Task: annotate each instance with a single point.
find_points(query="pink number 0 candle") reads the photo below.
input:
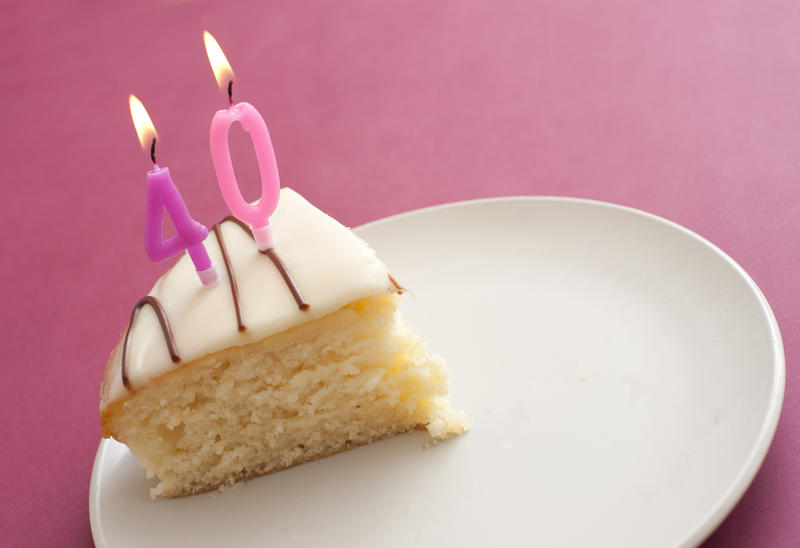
(256, 214)
(163, 194)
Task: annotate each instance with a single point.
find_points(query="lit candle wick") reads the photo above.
(153, 153)
(230, 93)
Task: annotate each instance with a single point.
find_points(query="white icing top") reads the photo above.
(330, 265)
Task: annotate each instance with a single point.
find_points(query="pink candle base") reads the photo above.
(265, 238)
(206, 270)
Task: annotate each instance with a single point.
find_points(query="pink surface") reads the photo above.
(686, 109)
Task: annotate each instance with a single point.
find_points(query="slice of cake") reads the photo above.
(296, 354)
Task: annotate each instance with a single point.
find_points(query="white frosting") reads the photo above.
(330, 265)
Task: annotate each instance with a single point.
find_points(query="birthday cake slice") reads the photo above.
(295, 354)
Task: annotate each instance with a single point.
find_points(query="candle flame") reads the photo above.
(142, 122)
(219, 63)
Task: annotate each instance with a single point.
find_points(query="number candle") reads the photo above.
(256, 214)
(163, 194)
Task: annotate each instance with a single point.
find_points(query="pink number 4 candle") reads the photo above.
(256, 214)
(163, 194)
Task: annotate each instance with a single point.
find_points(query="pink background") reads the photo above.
(686, 109)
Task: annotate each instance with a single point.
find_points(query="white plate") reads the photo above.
(623, 377)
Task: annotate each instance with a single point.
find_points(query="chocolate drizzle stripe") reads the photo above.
(165, 330)
(400, 288)
(237, 304)
(287, 277)
(276, 260)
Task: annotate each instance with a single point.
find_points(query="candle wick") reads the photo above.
(153, 152)
(230, 92)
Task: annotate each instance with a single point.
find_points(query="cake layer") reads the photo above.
(351, 377)
(329, 264)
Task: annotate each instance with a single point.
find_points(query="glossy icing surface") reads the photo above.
(330, 265)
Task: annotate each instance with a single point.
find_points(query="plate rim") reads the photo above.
(729, 498)
(94, 495)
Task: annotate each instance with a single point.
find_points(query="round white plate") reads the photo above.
(623, 377)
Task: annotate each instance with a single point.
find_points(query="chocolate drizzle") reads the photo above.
(165, 330)
(237, 303)
(276, 260)
(287, 278)
(400, 289)
(162, 316)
